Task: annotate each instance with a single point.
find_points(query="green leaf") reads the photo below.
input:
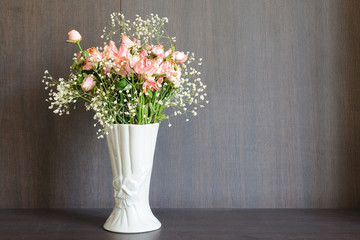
(121, 84)
(121, 100)
(161, 117)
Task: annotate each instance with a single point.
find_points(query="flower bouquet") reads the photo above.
(132, 84)
(131, 88)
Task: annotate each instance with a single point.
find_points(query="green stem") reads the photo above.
(85, 99)
(78, 43)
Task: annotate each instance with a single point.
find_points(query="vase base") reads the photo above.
(130, 221)
(123, 230)
(133, 232)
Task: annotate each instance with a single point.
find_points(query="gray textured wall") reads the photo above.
(282, 128)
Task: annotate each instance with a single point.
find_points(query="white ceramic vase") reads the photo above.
(131, 150)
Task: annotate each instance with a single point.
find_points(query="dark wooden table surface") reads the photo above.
(199, 224)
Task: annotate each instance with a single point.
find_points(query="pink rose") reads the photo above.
(120, 65)
(127, 42)
(110, 51)
(123, 51)
(128, 68)
(112, 46)
(94, 53)
(174, 76)
(134, 59)
(88, 66)
(180, 57)
(94, 56)
(158, 50)
(149, 84)
(130, 63)
(162, 68)
(166, 67)
(74, 36)
(145, 66)
(125, 45)
(88, 83)
(160, 58)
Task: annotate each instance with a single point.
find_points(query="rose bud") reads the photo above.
(88, 83)
(74, 36)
